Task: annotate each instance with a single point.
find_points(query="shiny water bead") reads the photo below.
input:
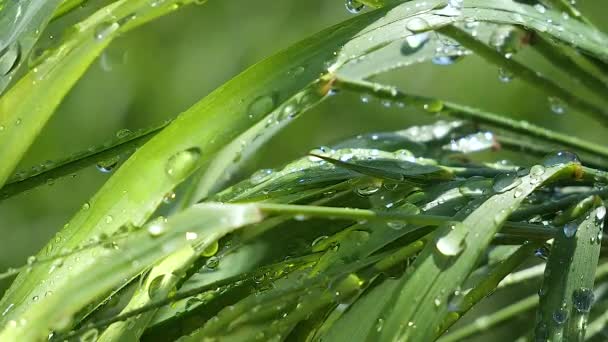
(570, 229)
(181, 164)
(413, 43)
(261, 106)
(560, 316)
(505, 182)
(453, 242)
(557, 105)
(560, 158)
(417, 24)
(582, 299)
(354, 6)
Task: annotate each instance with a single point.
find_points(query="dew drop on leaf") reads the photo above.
(107, 166)
(260, 176)
(417, 24)
(367, 189)
(560, 158)
(211, 249)
(157, 227)
(505, 182)
(354, 6)
(319, 240)
(90, 335)
(560, 316)
(540, 8)
(169, 197)
(453, 242)
(505, 75)
(10, 56)
(212, 262)
(181, 164)
(155, 286)
(260, 106)
(414, 43)
(444, 60)
(582, 299)
(103, 30)
(397, 225)
(123, 133)
(435, 106)
(557, 105)
(570, 229)
(600, 213)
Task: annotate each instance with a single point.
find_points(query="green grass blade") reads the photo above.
(166, 160)
(21, 23)
(444, 264)
(567, 292)
(487, 285)
(55, 311)
(47, 174)
(28, 105)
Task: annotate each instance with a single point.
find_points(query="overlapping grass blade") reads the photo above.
(28, 105)
(567, 293)
(189, 142)
(444, 264)
(21, 23)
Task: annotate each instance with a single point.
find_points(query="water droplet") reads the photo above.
(560, 158)
(109, 219)
(123, 133)
(540, 8)
(505, 182)
(452, 243)
(505, 75)
(10, 56)
(557, 105)
(260, 176)
(260, 106)
(211, 249)
(181, 164)
(435, 106)
(191, 236)
(417, 24)
(414, 43)
(31, 260)
(354, 6)
(319, 240)
(379, 324)
(157, 227)
(472, 143)
(444, 60)
(155, 286)
(397, 225)
(600, 213)
(35, 298)
(582, 299)
(560, 316)
(537, 171)
(86, 206)
(103, 30)
(366, 98)
(570, 229)
(212, 262)
(367, 189)
(169, 197)
(90, 335)
(108, 165)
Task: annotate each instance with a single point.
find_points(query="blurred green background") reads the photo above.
(155, 72)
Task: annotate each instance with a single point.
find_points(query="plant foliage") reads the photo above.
(405, 231)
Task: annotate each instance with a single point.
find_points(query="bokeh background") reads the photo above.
(157, 71)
